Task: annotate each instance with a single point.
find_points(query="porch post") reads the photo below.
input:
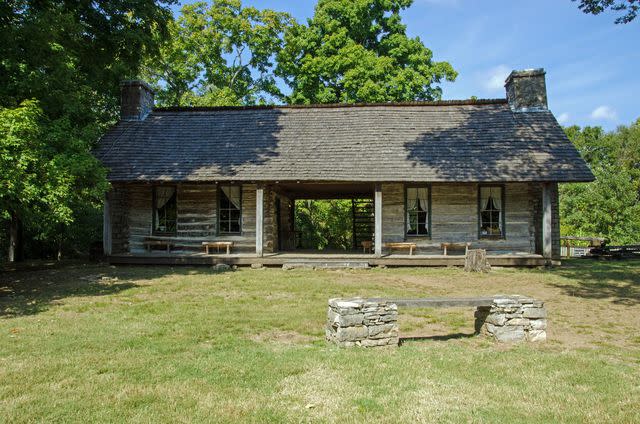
(259, 220)
(378, 220)
(106, 227)
(547, 243)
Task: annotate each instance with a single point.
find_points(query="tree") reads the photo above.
(358, 51)
(610, 206)
(69, 56)
(46, 172)
(219, 54)
(628, 8)
(324, 224)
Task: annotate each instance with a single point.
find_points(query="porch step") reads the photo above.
(324, 264)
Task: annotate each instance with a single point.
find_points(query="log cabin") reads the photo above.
(421, 175)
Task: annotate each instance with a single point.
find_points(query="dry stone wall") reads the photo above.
(513, 319)
(358, 322)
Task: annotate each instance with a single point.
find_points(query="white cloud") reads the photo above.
(494, 78)
(563, 118)
(606, 113)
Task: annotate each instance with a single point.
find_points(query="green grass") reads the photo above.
(191, 345)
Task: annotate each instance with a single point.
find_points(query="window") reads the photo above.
(491, 211)
(418, 206)
(165, 211)
(229, 209)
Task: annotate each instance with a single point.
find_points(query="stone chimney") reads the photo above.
(136, 100)
(527, 90)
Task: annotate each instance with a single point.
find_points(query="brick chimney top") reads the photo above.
(136, 100)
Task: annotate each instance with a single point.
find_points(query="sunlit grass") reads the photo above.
(153, 344)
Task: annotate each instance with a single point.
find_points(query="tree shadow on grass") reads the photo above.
(616, 280)
(29, 292)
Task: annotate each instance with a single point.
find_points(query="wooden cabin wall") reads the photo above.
(132, 216)
(454, 217)
(119, 216)
(140, 215)
(197, 210)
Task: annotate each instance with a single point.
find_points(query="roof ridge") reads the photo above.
(467, 102)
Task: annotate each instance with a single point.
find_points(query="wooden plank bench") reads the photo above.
(217, 244)
(402, 245)
(437, 302)
(150, 242)
(455, 246)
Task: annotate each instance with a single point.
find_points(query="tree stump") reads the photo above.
(476, 261)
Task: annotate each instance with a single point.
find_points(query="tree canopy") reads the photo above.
(358, 51)
(61, 62)
(610, 206)
(628, 8)
(219, 54)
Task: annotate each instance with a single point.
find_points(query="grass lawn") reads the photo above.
(93, 343)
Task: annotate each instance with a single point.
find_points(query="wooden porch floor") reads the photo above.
(279, 259)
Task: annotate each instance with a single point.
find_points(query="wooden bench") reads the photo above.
(150, 242)
(217, 244)
(437, 302)
(455, 246)
(402, 245)
(367, 246)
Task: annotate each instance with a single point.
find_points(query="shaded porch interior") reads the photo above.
(325, 218)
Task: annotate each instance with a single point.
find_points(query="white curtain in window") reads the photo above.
(233, 194)
(488, 194)
(423, 198)
(163, 194)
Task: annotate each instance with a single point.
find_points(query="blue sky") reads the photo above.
(593, 65)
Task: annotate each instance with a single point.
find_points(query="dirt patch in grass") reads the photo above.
(280, 337)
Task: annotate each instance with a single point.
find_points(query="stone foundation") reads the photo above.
(513, 319)
(358, 322)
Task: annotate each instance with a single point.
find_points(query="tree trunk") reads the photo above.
(15, 239)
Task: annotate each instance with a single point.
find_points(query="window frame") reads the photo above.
(405, 211)
(503, 213)
(154, 231)
(219, 194)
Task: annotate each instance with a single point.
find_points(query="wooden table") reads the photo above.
(367, 245)
(217, 244)
(402, 245)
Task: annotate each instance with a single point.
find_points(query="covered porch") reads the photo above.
(443, 213)
(320, 260)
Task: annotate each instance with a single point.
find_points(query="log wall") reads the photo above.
(454, 217)
(132, 217)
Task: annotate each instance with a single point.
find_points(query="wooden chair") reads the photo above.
(367, 246)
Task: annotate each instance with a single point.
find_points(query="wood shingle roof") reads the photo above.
(462, 141)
